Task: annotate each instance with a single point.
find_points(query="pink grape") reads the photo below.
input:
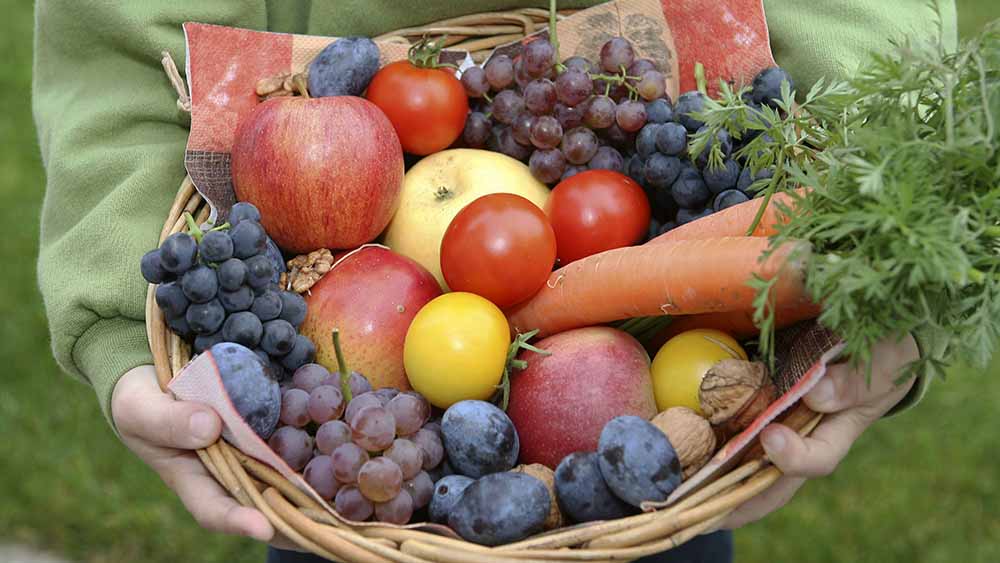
(546, 133)
(477, 130)
(386, 394)
(618, 137)
(600, 112)
(331, 435)
(547, 165)
(359, 402)
(358, 383)
(421, 489)
(652, 85)
(326, 402)
(431, 446)
(373, 428)
(410, 410)
(640, 66)
(607, 158)
(573, 87)
(309, 377)
(521, 128)
(617, 52)
(538, 57)
(579, 145)
(295, 408)
(319, 475)
(631, 116)
(499, 71)
(521, 76)
(351, 504)
(407, 455)
(347, 461)
(292, 445)
(380, 479)
(434, 426)
(619, 92)
(398, 510)
(540, 96)
(569, 117)
(507, 105)
(475, 82)
(508, 145)
(572, 170)
(579, 63)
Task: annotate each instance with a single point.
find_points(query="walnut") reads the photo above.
(690, 435)
(306, 269)
(548, 478)
(293, 84)
(734, 393)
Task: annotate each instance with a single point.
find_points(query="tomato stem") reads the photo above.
(345, 376)
(426, 53)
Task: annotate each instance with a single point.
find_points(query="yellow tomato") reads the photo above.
(456, 348)
(682, 362)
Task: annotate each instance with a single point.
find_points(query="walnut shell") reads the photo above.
(734, 393)
(548, 478)
(690, 435)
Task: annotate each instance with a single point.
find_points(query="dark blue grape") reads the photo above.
(235, 301)
(582, 493)
(725, 145)
(645, 141)
(661, 171)
(180, 327)
(343, 68)
(178, 253)
(151, 267)
(293, 308)
(501, 508)
(479, 438)
(767, 85)
(689, 190)
(260, 271)
(671, 139)
(685, 216)
(216, 246)
(264, 357)
(729, 198)
(205, 318)
(255, 396)
(274, 253)
(607, 158)
(267, 306)
(572, 170)
(243, 328)
(688, 103)
(637, 460)
(249, 239)
(232, 273)
(200, 284)
(171, 299)
(278, 337)
(303, 352)
(723, 177)
(203, 342)
(243, 211)
(747, 177)
(447, 491)
(634, 168)
(659, 111)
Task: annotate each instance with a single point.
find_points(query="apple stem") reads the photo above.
(345, 376)
(193, 228)
(519, 343)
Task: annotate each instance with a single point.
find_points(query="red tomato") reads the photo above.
(501, 247)
(427, 106)
(597, 210)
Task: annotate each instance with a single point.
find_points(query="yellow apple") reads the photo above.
(439, 186)
(682, 362)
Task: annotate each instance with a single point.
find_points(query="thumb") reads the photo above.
(141, 410)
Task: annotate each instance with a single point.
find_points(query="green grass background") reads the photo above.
(920, 487)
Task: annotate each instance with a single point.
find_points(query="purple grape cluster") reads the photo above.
(372, 455)
(221, 285)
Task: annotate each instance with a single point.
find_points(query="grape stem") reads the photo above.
(520, 343)
(193, 229)
(221, 227)
(345, 376)
(553, 37)
(699, 78)
(617, 80)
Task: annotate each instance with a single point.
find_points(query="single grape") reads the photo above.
(685, 216)
(358, 402)
(569, 117)
(326, 403)
(421, 489)
(260, 271)
(689, 190)
(671, 139)
(537, 57)
(540, 96)
(607, 158)
(216, 246)
(278, 337)
(616, 53)
(385, 395)
(235, 301)
(748, 178)
(645, 141)
(380, 479)
(521, 76)
(180, 327)
(547, 165)
(243, 211)
(347, 461)
(232, 273)
(721, 138)
(579, 145)
(398, 510)
(199, 284)
(243, 328)
(205, 318)
(521, 128)
(303, 351)
(309, 377)
(249, 239)
(499, 71)
(634, 169)
(767, 85)
(728, 198)
(358, 383)
(508, 145)
(331, 435)
(295, 408)
(659, 111)
(319, 474)
(410, 410)
(434, 426)
(475, 82)
(203, 342)
(447, 491)
(373, 428)
(477, 130)
(407, 455)
(267, 305)
(546, 133)
(178, 253)
(661, 171)
(688, 103)
(293, 307)
(573, 87)
(579, 63)
(572, 170)
(651, 85)
(721, 178)
(631, 116)
(618, 138)
(600, 112)
(352, 505)
(292, 445)
(430, 445)
(507, 105)
(171, 299)
(152, 268)
(274, 253)
(639, 66)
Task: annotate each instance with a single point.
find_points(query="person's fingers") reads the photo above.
(141, 410)
(816, 455)
(776, 496)
(842, 387)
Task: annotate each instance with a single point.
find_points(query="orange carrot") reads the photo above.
(738, 324)
(684, 277)
(733, 221)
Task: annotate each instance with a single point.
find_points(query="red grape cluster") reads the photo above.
(371, 455)
(561, 118)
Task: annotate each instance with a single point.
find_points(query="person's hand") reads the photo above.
(852, 406)
(163, 432)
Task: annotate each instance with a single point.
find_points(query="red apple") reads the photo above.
(561, 402)
(371, 295)
(324, 172)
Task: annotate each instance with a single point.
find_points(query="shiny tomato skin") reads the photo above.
(426, 106)
(597, 210)
(501, 247)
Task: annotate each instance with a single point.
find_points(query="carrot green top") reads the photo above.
(112, 139)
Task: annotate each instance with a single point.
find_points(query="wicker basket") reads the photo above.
(304, 522)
